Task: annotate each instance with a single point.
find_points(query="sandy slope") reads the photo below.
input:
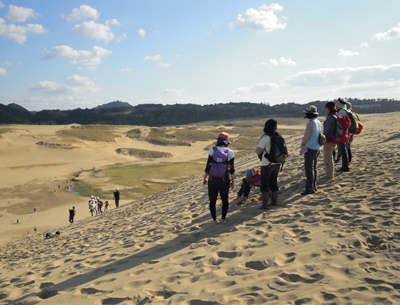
(339, 246)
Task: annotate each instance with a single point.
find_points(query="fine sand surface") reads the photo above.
(338, 246)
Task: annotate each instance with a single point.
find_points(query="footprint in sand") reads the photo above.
(114, 301)
(135, 284)
(285, 259)
(295, 278)
(256, 265)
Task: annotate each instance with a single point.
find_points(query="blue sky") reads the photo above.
(73, 54)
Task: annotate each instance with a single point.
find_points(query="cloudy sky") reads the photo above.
(73, 54)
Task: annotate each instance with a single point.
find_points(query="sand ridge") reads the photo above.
(339, 246)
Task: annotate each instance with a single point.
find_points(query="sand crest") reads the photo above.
(338, 246)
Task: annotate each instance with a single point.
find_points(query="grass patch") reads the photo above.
(163, 136)
(138, 181)
(5, 130)
(56, 145)
(143, 153)
(86, 189)
(96, 133)
(134, 133)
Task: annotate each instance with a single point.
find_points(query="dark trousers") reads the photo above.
(244, 189)
(310, 167)
(117, 203)
(221, 187)
(269, 178)
(344, 153)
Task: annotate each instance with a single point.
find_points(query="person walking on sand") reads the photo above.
(116, 197)
(72, 213)
(310, 147)
(329, 131)
(219, 175)
(269, 171)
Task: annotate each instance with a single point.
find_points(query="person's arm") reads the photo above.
(207, 169)
(232, 172)
(329, 126)
(261, 146)
(307, 133)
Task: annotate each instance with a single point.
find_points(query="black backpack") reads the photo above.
(278, 152)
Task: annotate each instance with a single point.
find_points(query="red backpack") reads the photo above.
(341, 134)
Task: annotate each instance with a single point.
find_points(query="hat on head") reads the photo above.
(311, 109)
(342, 101)
(224, 138)
(348, 105)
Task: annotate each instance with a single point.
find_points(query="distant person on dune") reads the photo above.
(116, 197)
(219, 175)
(52, 235)
(72, 213)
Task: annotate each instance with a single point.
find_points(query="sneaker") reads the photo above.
(341, 170)
(216, 221)
(307, 192)
(222, 220)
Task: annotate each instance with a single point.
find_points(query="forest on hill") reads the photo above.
(122, 113)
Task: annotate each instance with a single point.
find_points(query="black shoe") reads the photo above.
(307, 192)
(342, 170)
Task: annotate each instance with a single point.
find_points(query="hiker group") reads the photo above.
(338, 130)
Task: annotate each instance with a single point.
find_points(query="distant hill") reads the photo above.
(121, 113)
(113, 105)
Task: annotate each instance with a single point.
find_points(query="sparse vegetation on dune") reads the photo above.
(143, 153)
(96, 133)
(56, 145)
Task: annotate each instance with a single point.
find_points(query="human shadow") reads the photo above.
(188, 235)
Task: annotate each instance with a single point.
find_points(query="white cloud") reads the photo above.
(346, 76)
(263, 19)
(20, 14)
(82, 58)
(3, 72)
(281, 61)
(362, 45)
(1, 5)
(73, 85)
(156, 57)
(172, 92)
(164, 64)
(94, 30)
(83, 12)
(347, 53)
(126, 70)
(257, 88)
(19, 34)
(390, 34)
(142, 32)
(113, 22)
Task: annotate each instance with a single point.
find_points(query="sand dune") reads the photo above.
(338, 246)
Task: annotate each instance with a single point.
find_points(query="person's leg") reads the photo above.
(308, 164)
(349, 147)
(273, 184)
(264, 187)
(224, 192)
(345, 158)
(213, 189)
(328, 160)
(315, 169)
